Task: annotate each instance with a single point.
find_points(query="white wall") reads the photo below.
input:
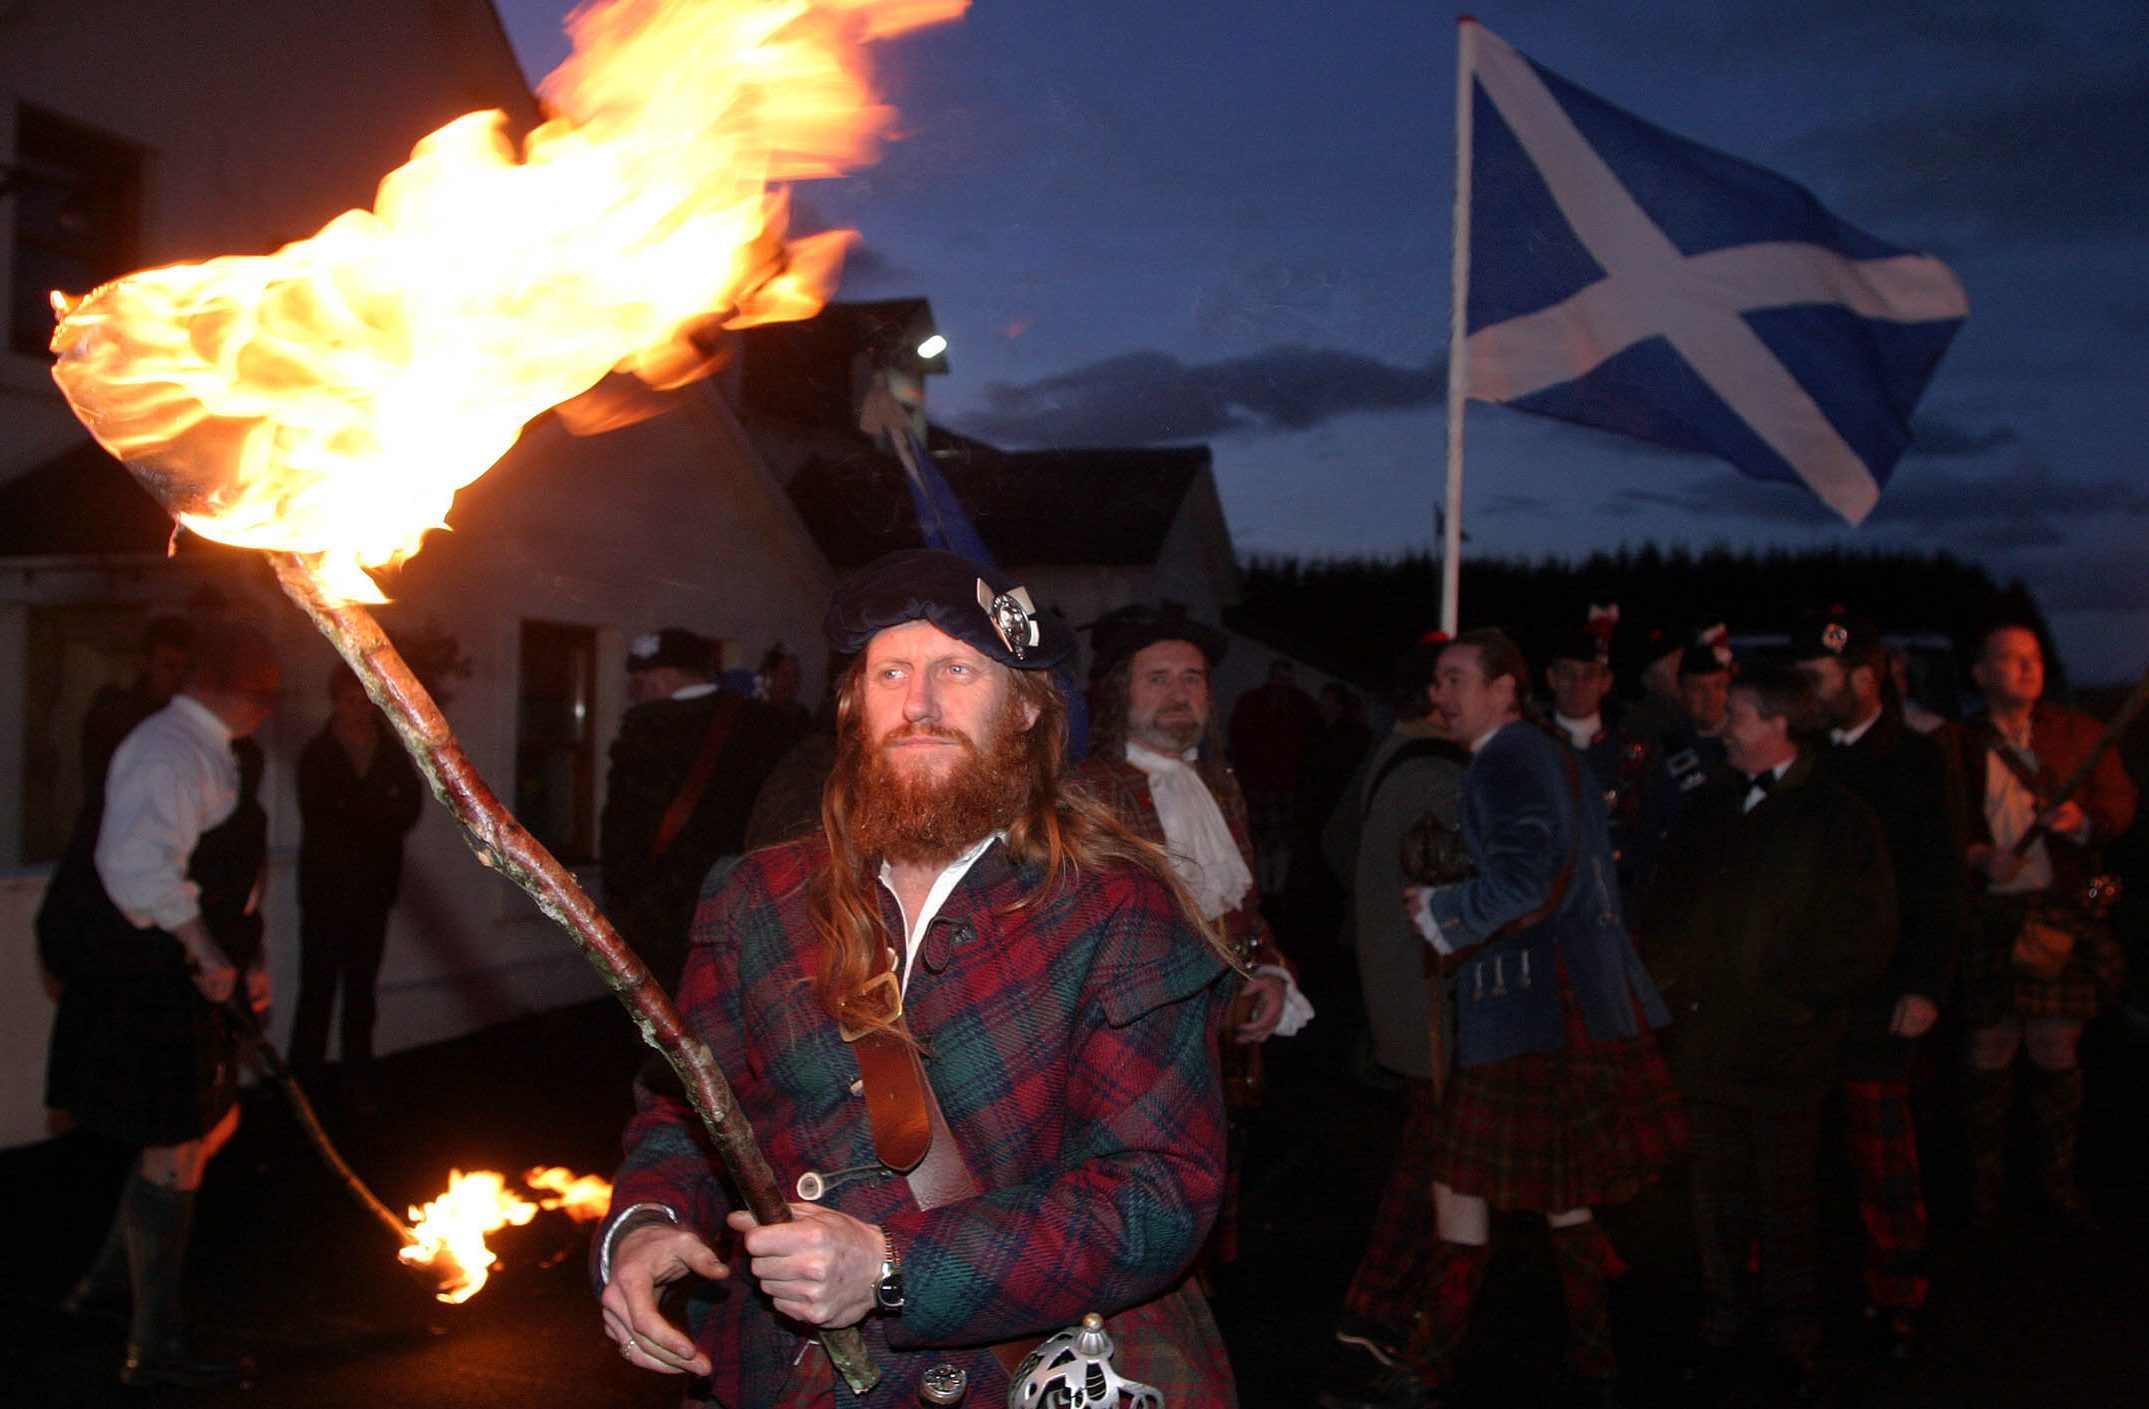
(261, 120)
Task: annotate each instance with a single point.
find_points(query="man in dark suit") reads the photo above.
(1772, 914)
(685, 768)
(1904, 777)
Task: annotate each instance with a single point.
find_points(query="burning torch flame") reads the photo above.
(330, 399)
(450, 1231)
(584, 1198)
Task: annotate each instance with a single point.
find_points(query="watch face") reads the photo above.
(890, 1292)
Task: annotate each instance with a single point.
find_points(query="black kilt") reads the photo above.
(141, 1059)
(137, 1054)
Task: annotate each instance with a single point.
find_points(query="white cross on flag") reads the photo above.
(1625, 278)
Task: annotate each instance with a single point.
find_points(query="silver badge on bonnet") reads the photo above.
(1013, 615)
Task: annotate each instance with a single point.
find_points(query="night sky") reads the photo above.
(1145, 223)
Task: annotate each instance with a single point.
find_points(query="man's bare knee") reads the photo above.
(2053, 1044)
(1462, 1218)
(175, 1166)
(1993, 1048)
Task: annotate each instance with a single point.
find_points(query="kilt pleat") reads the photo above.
(141, 1059)
(1994, 990)
(1589, 1125)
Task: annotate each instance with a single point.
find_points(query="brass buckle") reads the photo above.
(885, 979)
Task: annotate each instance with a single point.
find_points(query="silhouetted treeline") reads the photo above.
(1351, 615)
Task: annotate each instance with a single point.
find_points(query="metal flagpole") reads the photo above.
(1451, 546)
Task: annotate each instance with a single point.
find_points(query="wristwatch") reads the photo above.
(888, 1292)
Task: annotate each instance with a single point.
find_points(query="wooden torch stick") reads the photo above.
(249, 1026)
(505, 845)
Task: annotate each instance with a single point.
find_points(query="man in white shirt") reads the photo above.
(2031, 862)
(143, 1047)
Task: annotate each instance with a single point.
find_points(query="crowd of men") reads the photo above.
(995, 996)
(1597, 946)
(1811, 871)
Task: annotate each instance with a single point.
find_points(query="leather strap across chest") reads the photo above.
(910, 1135)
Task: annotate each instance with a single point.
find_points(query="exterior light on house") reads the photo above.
(932, 347)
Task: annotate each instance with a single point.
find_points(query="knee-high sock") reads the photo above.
(1456, 1273)
(1587, 1264)
(106, 1275)
(1987, 1099)
(2056, 1120)
(159, 1221)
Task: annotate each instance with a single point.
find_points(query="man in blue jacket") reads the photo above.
(1561, 1100)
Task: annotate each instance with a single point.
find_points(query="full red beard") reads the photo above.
(932, 819)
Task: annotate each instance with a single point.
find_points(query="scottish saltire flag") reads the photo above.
(1625, 278)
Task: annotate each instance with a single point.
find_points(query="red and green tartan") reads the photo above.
(1586, 1126)
(1387, 1284)
(1891, 1194)
(1072, 1045)
(1995, 991)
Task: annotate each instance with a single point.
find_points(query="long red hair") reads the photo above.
(1062, 830)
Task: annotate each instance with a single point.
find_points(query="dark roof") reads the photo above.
(1108, 507)
(81, 501)
(807, 370)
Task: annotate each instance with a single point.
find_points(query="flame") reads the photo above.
(583, 1197)
(330, 398)
(451, 1230)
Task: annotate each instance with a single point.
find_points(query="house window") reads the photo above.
(77, 196)
(70, 654)
(555, 739)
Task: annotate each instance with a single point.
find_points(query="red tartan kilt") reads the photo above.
(1584, 1127)
(1994, 991)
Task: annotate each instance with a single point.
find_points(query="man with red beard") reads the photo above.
(972, 1025)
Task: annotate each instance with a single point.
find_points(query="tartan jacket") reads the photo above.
(1124, 788)
(1072, 1045)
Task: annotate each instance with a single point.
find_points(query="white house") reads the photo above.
(135, 133)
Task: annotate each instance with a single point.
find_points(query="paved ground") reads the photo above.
(288, 1268)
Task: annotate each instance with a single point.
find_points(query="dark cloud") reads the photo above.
(1144, 397)
(2050, 152)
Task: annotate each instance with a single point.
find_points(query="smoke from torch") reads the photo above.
(326, 402)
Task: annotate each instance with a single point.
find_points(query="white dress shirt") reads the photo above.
(172, 779)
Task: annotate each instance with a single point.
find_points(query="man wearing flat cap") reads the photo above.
(1905, 778)
(973, 1021)
(1149, 724)
(685, 770)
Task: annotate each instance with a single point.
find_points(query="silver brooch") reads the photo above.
(1013, 615)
